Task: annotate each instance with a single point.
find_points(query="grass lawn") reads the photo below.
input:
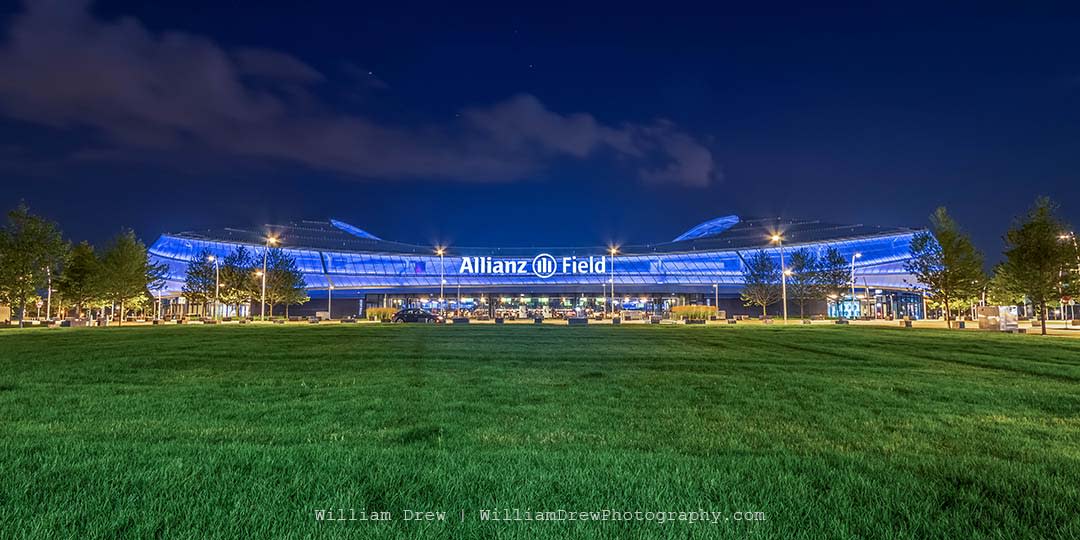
(830, 432)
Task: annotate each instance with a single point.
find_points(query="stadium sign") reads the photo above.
(542, 266)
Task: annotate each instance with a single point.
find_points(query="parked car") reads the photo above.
(416, 315)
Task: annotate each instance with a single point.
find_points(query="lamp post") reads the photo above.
(270, 241)
(783, 273)
(329, 299)
(853, 298)
(48, 295)
(441, 251)
(716, 292)
(217, 287)
(613, 250)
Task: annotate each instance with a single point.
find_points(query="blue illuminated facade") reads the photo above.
(704, 263)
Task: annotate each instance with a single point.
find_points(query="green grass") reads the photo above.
(832, 432)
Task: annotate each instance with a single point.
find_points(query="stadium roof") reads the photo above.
(724, 233)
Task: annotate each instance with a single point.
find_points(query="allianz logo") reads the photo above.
(542, 266)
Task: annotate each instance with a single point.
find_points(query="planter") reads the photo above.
(576, 321)
(694, 321)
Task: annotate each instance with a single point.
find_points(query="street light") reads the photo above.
(716, 292)
(858, 304)
(329, 299)
(613, 250)
(441, 251)
(48, 299)
(779, 240)
(217, 287)
(270, 241)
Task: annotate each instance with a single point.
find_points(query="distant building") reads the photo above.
(364, 270)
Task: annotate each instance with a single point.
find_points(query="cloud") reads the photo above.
(173, 91)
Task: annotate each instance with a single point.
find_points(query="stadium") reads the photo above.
(347, 269)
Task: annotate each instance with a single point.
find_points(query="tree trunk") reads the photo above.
(121, 320)
(948, 325)
(763, 314)
(22, 310)
(286, 311)
(1042, 316)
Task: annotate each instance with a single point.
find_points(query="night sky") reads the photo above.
(552, 126)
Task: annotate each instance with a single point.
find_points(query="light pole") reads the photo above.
(783, 273)
(270, 241)
(716, 291)
(48, 295)
(217, 287)
(853, 298)
(441, 251)
(613, 250)
(329, 299)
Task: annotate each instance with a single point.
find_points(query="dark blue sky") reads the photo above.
(541, 127)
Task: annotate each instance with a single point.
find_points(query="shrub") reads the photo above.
(693, 312)
(380, 313)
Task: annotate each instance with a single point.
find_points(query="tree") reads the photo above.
(761, 281)
(284, 280)
(946, 264)
(1038, 260)
(80, 280)
(31, 250)
(239, 285)
(127, 271)
(200, 280)
(802, 283)
(833, 276)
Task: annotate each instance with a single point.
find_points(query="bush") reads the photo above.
(693, 312)
(380, 313)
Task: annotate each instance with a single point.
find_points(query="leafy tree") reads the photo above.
(284, 280)
(761, 281)
(239, 284)
(946, 264)
(833, 275)
(200, 280)
(80, 280)
(127, 271)
(802, 283)
(31, 250)
(1038, 261)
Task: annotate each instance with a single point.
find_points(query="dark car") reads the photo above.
(416, 315)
